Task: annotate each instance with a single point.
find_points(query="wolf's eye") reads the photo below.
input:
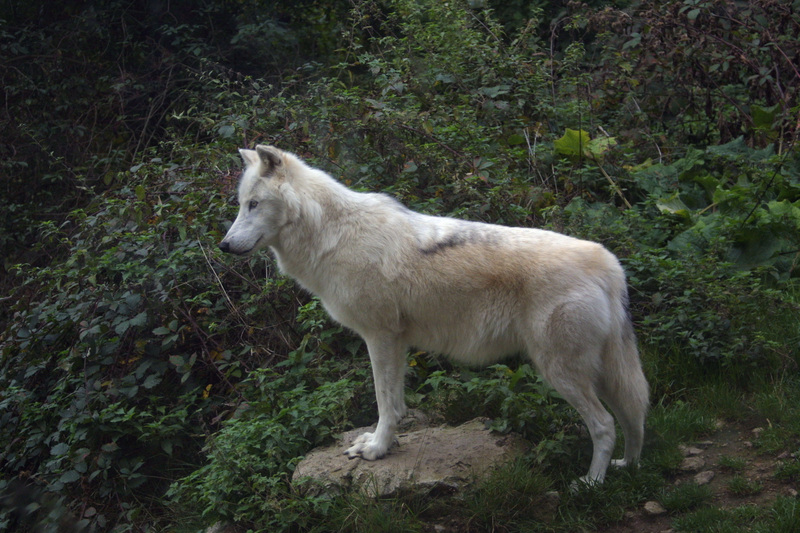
(252, 205)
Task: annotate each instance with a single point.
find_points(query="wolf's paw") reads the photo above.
(367, 447)
(584, 483)
(619, 463)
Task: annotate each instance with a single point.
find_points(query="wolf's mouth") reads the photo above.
(226, 247)
(252, 248)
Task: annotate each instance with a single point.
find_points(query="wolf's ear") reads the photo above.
(250, 157)
(270, 156)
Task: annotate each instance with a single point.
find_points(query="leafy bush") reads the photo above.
(118, 355)
(251, 458)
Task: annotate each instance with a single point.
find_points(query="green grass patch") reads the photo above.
(782, 516)
(715, 520)
(685, 497)
(731, 463)
(788, 470)
(740, 485)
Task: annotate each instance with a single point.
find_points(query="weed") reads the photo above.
(740, 485)
(681, 422)
(359, 513)
(730, 463)
(685, 497)
(783, 517)
(513, 494)
(715, 520)
(788, 470)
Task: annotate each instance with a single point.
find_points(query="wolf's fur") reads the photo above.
(475, 291)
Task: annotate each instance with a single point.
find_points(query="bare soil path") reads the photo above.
(704, 464)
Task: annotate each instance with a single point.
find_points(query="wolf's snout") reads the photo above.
(225, 246)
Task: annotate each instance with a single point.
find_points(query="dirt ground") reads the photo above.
(733, 441)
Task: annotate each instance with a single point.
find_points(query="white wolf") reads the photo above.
(475, 291)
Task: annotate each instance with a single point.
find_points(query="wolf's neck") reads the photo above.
(310, 240)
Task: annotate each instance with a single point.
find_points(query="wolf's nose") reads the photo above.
(225, 246)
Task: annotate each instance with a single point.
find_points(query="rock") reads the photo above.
(689, 451)
(653, 508)
(548, 506)
(429, 459)
(692, 464)
(705, 477)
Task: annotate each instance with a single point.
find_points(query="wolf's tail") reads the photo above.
(624, 386)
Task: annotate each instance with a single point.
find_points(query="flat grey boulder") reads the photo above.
(428, 459)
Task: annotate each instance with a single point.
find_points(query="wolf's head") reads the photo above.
(263, 204)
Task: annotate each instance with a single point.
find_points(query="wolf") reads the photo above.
(475, 291)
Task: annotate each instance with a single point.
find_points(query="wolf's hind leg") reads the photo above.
(388, 358)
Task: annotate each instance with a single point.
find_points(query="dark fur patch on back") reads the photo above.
(457, 239)
(463, 237)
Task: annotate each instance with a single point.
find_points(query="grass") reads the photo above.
(686, 496)
(358, 513)
(740, 485)
(532, 494)
(515, 493)
(730, 463)
(789, 471)
(782, 516)
(715, 520)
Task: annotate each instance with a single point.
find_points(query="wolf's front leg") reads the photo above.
(388, 357)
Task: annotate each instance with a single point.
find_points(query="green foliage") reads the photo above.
(686, 496)
(360, 513)
(734, 464)
(251, 458)
(118, 354)
(739, 485)
(722, 63)
(514, 495)
(781, 516)
(516, 399)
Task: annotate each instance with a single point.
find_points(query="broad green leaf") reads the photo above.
(763, 117)
(572, 144)
(785, 208)
(69, 476)
(59, 449)
(151, 381)
(139, 320)
(166, 445)
(515, 139)
(738, 148)
(226, 131)
(673, 205)
(596, 148)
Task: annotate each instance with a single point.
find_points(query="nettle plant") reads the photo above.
(117, 359)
